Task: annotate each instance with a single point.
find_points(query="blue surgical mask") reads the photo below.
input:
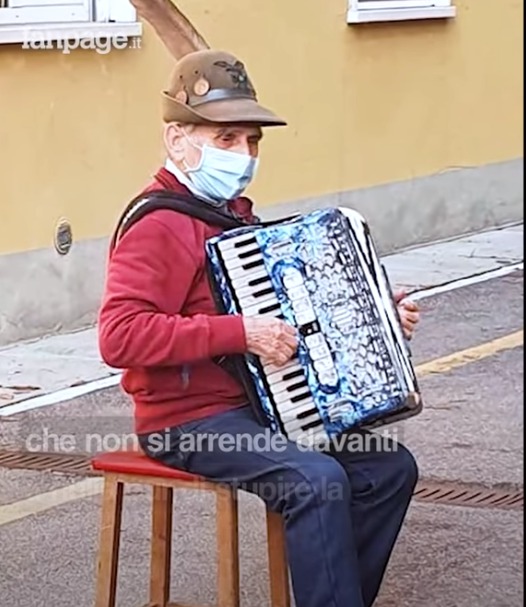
(220, 175)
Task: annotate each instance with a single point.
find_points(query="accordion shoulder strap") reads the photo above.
(144, 204)
(165, 199)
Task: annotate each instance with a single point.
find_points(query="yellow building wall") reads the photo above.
(80, 133)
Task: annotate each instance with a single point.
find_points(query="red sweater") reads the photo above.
(159, 323)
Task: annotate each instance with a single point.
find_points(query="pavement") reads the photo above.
(42, 366)
(471, 430)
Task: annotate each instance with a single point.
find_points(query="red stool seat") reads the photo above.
(121, 467)
(135, 462)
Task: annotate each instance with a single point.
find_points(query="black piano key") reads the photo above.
(293, 375)
(299, 397)
(249, 253)
(306, 413)
(263, 292)
(244, 243)
(269, 308)
(253, 264)
(297, 385)
(258, 281)
(311, 425)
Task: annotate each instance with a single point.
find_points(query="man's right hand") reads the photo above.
(273, 340)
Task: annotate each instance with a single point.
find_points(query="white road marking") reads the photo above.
(466, 282)
(61, 396)
(94, 486)
(45, 501)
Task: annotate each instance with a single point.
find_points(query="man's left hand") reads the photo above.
(409, 313)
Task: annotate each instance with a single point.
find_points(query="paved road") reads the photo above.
(471, 430)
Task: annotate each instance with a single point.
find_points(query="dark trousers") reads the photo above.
(343, 508)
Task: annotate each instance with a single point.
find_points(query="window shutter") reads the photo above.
(28, 12)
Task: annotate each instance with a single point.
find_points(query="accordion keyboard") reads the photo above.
(288, 385)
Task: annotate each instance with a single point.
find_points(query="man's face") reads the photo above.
(183, 142)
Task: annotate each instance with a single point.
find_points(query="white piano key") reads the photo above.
(304, 425)
(265, 300)
(295, 393)
(252, 280)
(285, 402)
(293, 423)
(278, 380)
(254, 291)
(242, 252)
(288, 392)
(286, 368)
(268, 308)
(242, 275)
(291, 373)
(286, 387)
(232, 264)
(236, 242)
(297, 408)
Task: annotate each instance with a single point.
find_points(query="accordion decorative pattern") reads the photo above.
(330, 285)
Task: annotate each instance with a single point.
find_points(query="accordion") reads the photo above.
(320, 273)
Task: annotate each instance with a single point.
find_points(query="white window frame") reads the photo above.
(368, 11)
(35, 23)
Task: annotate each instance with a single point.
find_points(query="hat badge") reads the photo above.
(181, 96)
(201, 87)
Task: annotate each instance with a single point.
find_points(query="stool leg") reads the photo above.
(228, 548)
(161, 547)
(108, 560)
(277, 556)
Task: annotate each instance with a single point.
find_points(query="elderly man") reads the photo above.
(343, 509)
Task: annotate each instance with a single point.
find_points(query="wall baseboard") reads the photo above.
(43, 293)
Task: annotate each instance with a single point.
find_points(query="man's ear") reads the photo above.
(174, 141)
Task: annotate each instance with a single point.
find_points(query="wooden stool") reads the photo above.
(136, 468)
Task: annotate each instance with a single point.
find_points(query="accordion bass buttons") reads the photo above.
(314, 341)
(292, 278)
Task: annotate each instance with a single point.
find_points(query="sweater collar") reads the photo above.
(167, 179)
